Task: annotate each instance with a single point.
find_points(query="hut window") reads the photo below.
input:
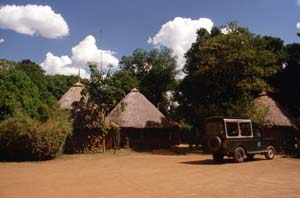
(232, 128)
(245, 129)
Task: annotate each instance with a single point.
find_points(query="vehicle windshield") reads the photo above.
(215, 127)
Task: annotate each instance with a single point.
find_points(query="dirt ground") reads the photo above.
(145, 175)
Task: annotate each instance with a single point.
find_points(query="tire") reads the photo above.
(218, 157)
(239, 154)
(250, 157)
(214, 144)
(271, 153)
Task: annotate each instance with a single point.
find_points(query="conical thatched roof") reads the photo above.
(276, 115)
(72, 95)
(135, 111)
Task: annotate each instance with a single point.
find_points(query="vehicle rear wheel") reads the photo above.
(271, 152)
(239, 154)
(218, 157)
(250, 157)
(214, 144)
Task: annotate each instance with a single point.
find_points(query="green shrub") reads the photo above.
(15, 138)
(22, 138)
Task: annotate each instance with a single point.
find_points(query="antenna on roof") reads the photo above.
(100, 46)
(78, 73)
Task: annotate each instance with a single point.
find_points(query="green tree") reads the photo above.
(125, 82)
(20, 94)
(38, 77)
(24, 88)
(155, 70)
(31, 126)
(287, 81)
(7, 64)
(57, 85)
(34, 72)
(276, 45)
(223, 70)
(106, 90)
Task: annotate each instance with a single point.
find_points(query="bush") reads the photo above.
(22, 138)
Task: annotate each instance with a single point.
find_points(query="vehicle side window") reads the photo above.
(232, 128)
(245, 129)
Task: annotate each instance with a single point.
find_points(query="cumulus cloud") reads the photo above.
(83, 53)
(61, 65)
(87, 51)
(33, 20)
(1, 40)
(178, 35)
(298, 25)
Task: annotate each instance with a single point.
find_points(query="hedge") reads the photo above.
(22, 138)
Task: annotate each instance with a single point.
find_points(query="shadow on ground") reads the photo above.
(212, 162)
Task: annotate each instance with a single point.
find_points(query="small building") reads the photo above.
(279, 124)
(83, 140)
(142, 125)
(71, 96)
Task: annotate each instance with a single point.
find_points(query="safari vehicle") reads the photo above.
(235, 138)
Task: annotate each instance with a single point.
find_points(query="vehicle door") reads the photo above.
(246, 135)
(232, 134)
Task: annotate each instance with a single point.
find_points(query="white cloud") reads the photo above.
(61, 65)
(87, 51)
(178, 35)
(298, 25)
(83, 53)
(1, 40)
(298, 2)
(33, 20)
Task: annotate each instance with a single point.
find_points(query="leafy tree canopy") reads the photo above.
(59, 84)
(287, 80)
(155, 70)
(38, 77)
(26, 89)
(106, 90)
(20, 94)
(224, 68)
(6, 64)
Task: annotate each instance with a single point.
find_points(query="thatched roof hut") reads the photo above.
(135, 111)
(71, 96)
(144, 126)
(276, 115)
(280, 126)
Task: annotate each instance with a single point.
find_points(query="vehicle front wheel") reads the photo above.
(218, 157)
(271, 152)
(239, 154)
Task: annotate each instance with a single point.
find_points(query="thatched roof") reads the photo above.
(71, 96)
(276, 115)
(135, 111)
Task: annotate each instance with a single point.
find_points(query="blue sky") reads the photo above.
(128, 24)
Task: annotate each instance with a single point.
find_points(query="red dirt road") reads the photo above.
(144, 175)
